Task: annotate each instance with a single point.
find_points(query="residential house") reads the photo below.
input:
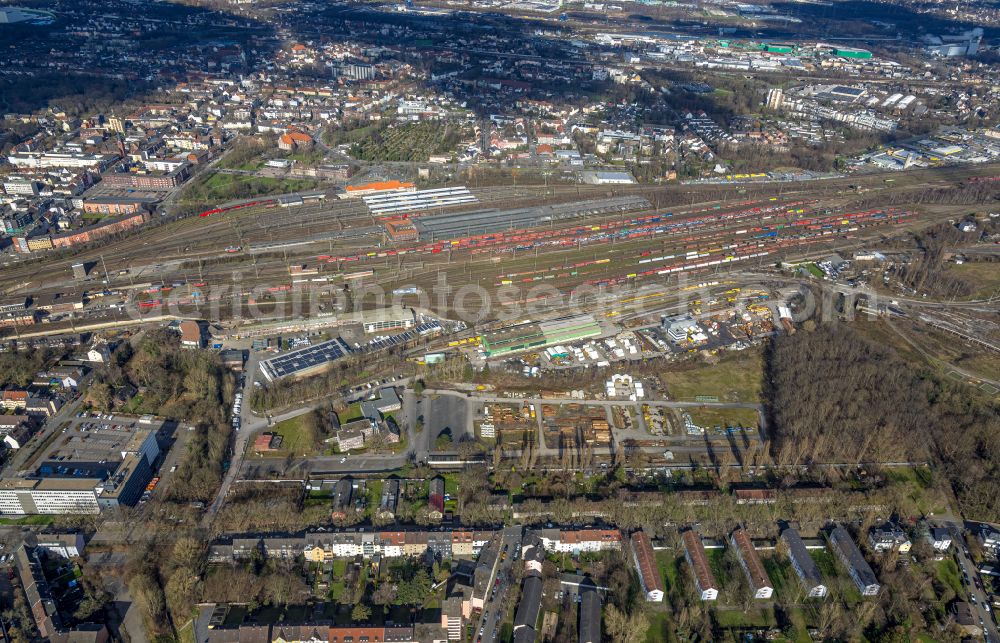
(435, 499)
(753, 568)
(694, 553)
(575, 541)
(989, 538)
(36, 590)
(966, 619)
(451, 617)
(526, 617)
(343, 498)
(191, 335)
(439, 544)
(16, 430)
(889, 537)
(246, 548)
(850, 556)
(415, 543)
(645, 564)
(314, 633)
(462, 543)
(389, 500)
(803, 564)
(392, 543)
(283, 548)
(219, 554)
(939, 538)
(354, 434)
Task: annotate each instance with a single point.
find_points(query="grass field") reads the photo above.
(295, 437)
(761, 617)
(925, 344)
(668, 563)
(715, 560)
(984, 276)
(947, 573)
(29, 520)
(659, 628)
(824, 560)
(708, 416)
(219, 188)
(813, 270)
(735, 378)
(779, 570)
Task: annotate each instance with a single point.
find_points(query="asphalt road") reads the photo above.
(487, 626)
(969, 576)
(249, 423)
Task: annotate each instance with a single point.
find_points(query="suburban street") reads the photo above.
(488, 624)
(969, 577)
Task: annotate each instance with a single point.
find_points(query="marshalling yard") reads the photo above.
(621, 237)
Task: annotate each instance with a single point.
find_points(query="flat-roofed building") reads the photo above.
(304, 362)
(26, 496)
(803, 564)
(65, 545)
(694, 553)
(384, 319)
(84, 472)
(754, 570)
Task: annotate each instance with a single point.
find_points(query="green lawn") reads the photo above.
(451, 484)
(351, 413)
(825, 562)
(659, 628)
(798, 619)
(715, 560)
(783, 578)
(374, 496)
(761, 617)
(813, 270)
(735, 378)
(296, 437)
(311, 157)
(668, 564)
(948, 574)
(29, 520)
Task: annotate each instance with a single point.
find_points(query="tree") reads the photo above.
(625, 628)
(99, 395)
(361, 613)
(384, 594)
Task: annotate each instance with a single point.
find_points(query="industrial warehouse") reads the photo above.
(305, 361)
(397, 201)
(539, 334)
(445, 226)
